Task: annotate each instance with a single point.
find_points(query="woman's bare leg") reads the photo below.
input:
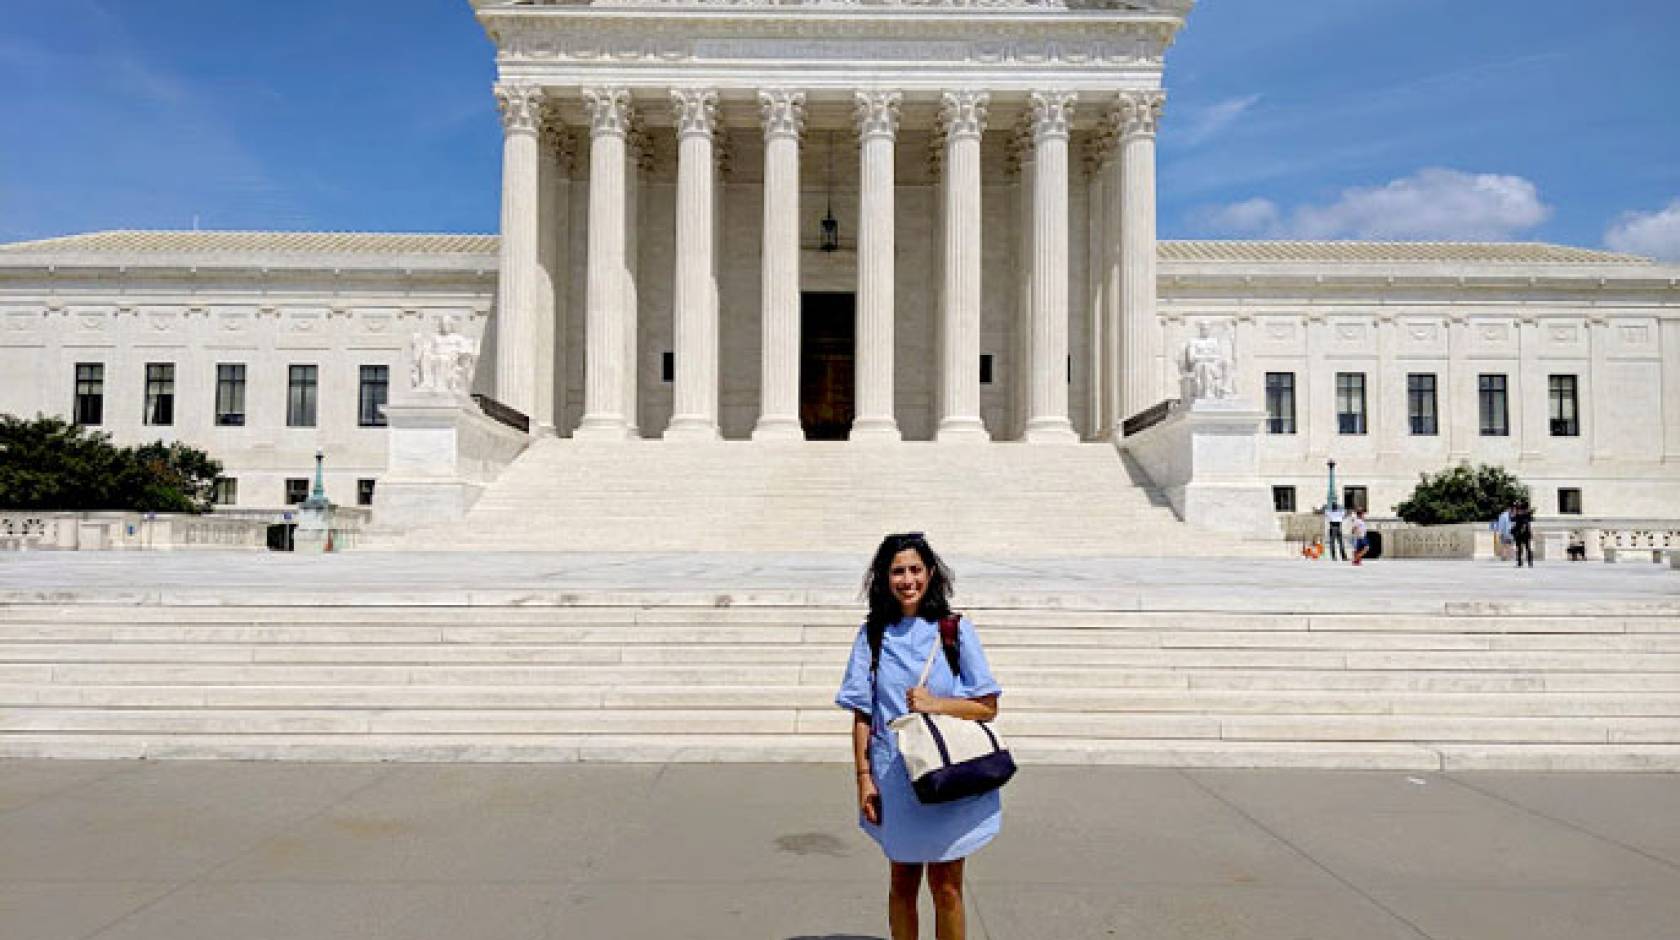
(901, 903)
(945, 883)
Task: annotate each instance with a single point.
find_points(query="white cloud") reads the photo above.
(1432, 204)
(1209, 121)
(1255, 216)
(1653, 234)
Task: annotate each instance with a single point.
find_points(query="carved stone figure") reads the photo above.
(442, 361)
(1207, 367)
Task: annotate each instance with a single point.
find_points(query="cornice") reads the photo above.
(634, 38)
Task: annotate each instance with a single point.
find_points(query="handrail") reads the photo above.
(496, 411)
(1148, 417)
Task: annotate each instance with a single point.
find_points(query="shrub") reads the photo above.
(49, 464)
(1462, 494)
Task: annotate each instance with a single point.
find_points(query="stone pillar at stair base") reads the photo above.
(443, 453)
(1205, 458)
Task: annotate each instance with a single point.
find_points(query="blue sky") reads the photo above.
(1520, 119)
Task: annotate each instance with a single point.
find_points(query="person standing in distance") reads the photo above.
(1361, 541)
(909, 592)
(1522, 532)
(1334, 514)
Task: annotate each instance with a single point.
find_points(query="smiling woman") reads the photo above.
(909, 591)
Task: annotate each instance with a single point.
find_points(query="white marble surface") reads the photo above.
(1380, 589)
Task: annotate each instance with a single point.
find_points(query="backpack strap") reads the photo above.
(948, 635)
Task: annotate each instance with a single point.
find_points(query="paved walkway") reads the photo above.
(250, 851)
(1284, 584)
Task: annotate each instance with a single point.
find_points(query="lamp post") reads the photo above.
(1330, 490)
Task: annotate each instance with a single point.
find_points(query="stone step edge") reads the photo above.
(1124, 600)
(831, 749)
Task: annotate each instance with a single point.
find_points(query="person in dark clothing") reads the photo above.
(1522, 532)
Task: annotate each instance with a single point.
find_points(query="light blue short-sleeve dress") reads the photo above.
(911, 831)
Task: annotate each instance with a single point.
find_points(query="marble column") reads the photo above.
(696, 324)
(963, 116)
(1113, 212)
(877, 121)
(1047, 405)
(638, 159)
(553, 254)
(609, 121)
(1019, 374)
(1139, 113)
(517, 297)
(783, 112)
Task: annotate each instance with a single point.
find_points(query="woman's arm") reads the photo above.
(869, 798)
(983, 708)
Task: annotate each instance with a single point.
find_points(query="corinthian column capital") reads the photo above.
(963, 113)
(521, 107)
(783, 112)
(556, 138)
(695, 111)
(1052, 113)
(1138, 112)
(877, 114)
(609, 110)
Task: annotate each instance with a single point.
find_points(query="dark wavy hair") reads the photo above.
(884, 607)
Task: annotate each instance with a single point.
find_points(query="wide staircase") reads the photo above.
(614, 680)
(564, 495)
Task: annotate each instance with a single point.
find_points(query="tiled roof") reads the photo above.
(333, 243)
(1390, 252)
(375, 243)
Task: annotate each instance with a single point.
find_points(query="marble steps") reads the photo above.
(755, 683)
(819, 657)
(739, 496)
(817, 700)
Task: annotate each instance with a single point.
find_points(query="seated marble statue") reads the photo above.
(1206, 368)
(442, 361)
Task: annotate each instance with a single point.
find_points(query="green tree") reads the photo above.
(49, 464)
(1462, 494)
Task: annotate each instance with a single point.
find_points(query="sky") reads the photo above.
(1529, 120)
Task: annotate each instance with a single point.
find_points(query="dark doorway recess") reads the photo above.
(827, 364)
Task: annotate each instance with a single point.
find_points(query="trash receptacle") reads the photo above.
(1373, 544)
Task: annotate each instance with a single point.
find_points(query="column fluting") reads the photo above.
(1047, 414)
(963, 117)
(1140, 113)
(553, 244)
(696, 328)
(1113, 212)
(783, 113)
(609, 120)
(877, 116)
(516, 314)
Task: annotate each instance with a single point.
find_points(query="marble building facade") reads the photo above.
(993, 274)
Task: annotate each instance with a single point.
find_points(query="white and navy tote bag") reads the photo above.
(950, 758)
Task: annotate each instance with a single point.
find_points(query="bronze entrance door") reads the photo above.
(827, 371)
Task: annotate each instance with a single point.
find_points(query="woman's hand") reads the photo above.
(869, 798)
(919, 699)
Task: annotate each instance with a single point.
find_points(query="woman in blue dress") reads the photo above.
(909, 590)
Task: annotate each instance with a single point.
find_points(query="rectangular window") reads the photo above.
(1420, 403)
(1354, 498)
(1350, 403)
(1280, 402)
(297, 490)
(375, 387)
(226, 492)
(364, 492)
(985, 368)
(668, 367)
(230, 394)
(90, 393)
(1569, 501)
(160, 393)
(1566, 412)
(1283, 498)
(1494, 408)
(301, 382)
